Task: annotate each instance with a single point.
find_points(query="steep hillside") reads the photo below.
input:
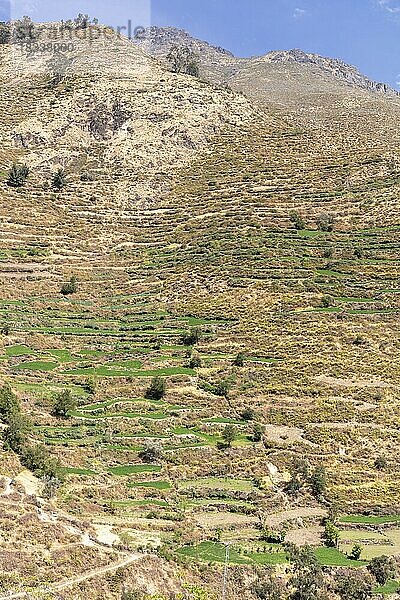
(201, 323)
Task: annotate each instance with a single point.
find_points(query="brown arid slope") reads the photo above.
(176, 219)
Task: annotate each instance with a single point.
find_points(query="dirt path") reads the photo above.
(62, 585)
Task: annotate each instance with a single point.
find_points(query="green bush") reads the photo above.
(156, 390)
(239, 360)
(192, 337)
(18, 175)
(182, 60)
(15, 436)
(297, 220)
(63, 404)
(70, 287)
(383, 568)
(326, 222)
(38, 460)
(59, 181)
(9, 404)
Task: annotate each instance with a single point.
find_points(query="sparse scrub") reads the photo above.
(17, 175)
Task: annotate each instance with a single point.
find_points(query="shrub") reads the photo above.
(331, 535)
(318, 482)
(59, 181)
(5, 33)
(258, 432)
(192, 337)
(9, 404)
(38, 459)
(354, 586)
(152, 452)
(380, 463)
(156, 390)
(356, 551)
(15, 436)
(297, 220)
(382, 568)
(221, 388)
(239, 360)
(229, 434)
(182, 60)
(70, 287)
(327, 302)
(18, 175)
(86, 176)
(326, 222)
(63, 404)
(195, 361)
(24, 30)
(248, 414)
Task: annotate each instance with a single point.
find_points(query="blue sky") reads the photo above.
(365, 33)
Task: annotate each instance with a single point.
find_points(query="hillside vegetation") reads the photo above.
(199, 329)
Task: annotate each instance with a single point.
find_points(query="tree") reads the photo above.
(39, 460)
(9, 404)
(192, 337)
(24, 30)
(63, 404)
(326, 222)
(221, 388)
(58, 66)
(156, 390)
(18, 175)
(331, 535)
(229, 435)
(307, 579)
(354, 586)
(195, 360)
(5, 32)
(182, 60)
(239, 360)
(356, 551)
(318, 482)
(59, 180)
(382, 568)
(297, 220)
(299, 471)
(15, 436)
(70, 287)
(267, 588)
(82, 21)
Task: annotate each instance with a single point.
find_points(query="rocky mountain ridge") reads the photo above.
(224, 65)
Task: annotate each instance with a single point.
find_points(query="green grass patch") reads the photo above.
(37, 365)
(156, 485)
(331, 557)
(370, 519)
(18, 350)
(391, 587)
(133, 469)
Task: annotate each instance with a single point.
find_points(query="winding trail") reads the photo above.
(62, 585)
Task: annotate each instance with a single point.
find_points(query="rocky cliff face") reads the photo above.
(222, 66)
(339, 69)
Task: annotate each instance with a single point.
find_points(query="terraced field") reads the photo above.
(275, 344)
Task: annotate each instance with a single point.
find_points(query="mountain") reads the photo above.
(221, 65)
